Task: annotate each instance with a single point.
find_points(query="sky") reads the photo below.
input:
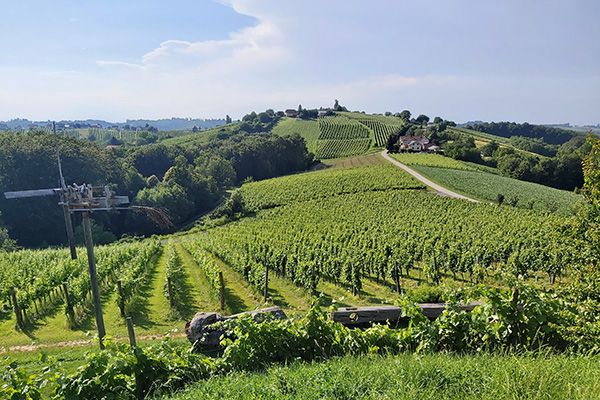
(515, 60)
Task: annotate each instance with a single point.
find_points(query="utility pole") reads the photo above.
(81, 199)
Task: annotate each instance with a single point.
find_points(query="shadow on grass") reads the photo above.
(139, 306)
(277, 298)
(233, 302)
(185, 305)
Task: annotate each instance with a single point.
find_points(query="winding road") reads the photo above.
(439, 189)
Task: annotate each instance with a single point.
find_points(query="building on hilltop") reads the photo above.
(416, 144)
(291, 113)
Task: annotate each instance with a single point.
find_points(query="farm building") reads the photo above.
(416, 144)
(291, 113)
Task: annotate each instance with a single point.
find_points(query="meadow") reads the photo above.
(412, 377)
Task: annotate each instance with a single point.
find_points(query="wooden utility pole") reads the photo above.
(89, 245)
(81, 199)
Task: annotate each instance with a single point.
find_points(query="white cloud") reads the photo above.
(305, 54)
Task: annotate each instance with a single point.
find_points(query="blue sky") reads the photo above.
(518, 60)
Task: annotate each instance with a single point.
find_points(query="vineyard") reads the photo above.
(346, 234)
(308, 129)
(349, 238)
(37, 280)
(341, 128)
(431, 160)
(337, 148)
(322, 184)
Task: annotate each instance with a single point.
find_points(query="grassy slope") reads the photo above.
(481, 183)
(308, 129)
(486, 187)
(435, 377)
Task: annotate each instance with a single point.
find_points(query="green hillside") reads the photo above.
(482, 183)
(308, 129)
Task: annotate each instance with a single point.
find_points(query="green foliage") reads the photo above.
(413, 377)
(431, 160)
(307, 129)
(548, 134)
(110, 374)
(485, 186)
(341, 128)
(323, 184)
(336, 148)
(28, 161)
(176, 278)
(38, 275)
(19, 385)
(332, 233)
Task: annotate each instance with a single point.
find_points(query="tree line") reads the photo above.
(183, 181)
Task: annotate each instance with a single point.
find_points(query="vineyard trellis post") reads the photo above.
(222, 290)
(266, 289)
(121, 298)
(397, 276)
(81, 199)
(18, 315)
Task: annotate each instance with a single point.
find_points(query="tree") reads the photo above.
(405, 115)
(422, 119)
(195, 129)
(227, 119)
(437, 120)
(489, 148)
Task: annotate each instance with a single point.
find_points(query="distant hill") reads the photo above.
(170, 124)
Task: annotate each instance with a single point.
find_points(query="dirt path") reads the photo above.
(84, 343)
(439, 189)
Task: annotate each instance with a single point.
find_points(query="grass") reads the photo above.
(366, 160)
(485, 186)
(403, 377)
(308, 129)
(430, 160)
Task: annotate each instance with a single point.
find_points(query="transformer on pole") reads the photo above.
(84, 199)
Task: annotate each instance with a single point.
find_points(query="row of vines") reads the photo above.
(39, 278)
(345, 238)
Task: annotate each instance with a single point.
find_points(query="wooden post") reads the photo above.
(170, 293)
(89, 244)
(68, 304)
(222, 290)
(313, 283)
(397, 276)
(121, 298)
(266, 290)
(131, 332)
(139, 390)
(18, 315)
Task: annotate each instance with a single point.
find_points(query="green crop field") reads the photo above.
(308, 129)
(380, 126)
(325, 183)
(431, 160)
(485, 186)
(408, 377)
(336, 148)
